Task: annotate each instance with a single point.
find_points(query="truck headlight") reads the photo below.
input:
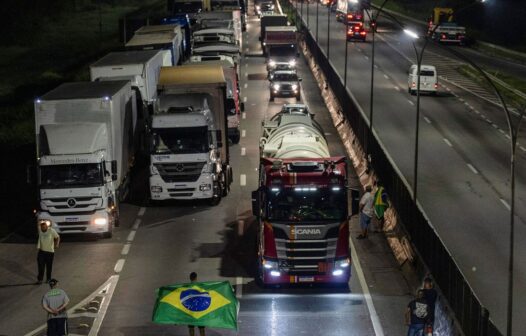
(292, 63)
(276, 86)
(270, 265)
(100, 221)
(156, 189)
(343, 263)
(271, 63)
(205, 187)
(294, 87)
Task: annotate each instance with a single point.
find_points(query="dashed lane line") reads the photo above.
(131, 236)
(242, 180)
(505, 204)
(427, 120)
(136, 224)
(396, 88)
(126, 249)
(243, 151)
(470, 166)
(410, 102)
(386, 77)
(119, 265)
(142, 210)
(244, 115)
(240, 227)
(448, 143)
(522, 148)
(244, 99)
(245, 86)
(243, 133)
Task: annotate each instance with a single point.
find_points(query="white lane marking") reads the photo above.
(119, 265)
(108, 294)
(136, 224)
(240, 227)
(366, 57)
(508, 136)
(427, 120)
(505, 204)
(522, 148)
(396, 88)
(448, 89)
(476, 111)
(410, 102)
(244, 99)
(246, 74)
(375, 320)
(105, 290)
(239, 287)
(502, 131)
(467, 104)
(131, 236)
(245, 86)
(243, 133)
(386, 77)
(462, 100)
(126, 249)
(376, 66)
(472, 168)
(247, 49)
(244, 115)
(242, 180)
(243, 151)
(246, 65)
(495, 125)
(142, 210)
(447, 142)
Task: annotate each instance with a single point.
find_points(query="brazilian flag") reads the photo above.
(381, 202)
(204, 304)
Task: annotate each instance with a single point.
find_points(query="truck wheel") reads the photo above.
(271, 98)
(235, 138)
(217, 194)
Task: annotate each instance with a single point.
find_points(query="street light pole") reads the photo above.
(329, 32)
(345, 68)
(308, 6)
(317, 11)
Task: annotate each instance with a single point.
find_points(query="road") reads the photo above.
(112, 282)
(463, 167)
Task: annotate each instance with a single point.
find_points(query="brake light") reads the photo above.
(362, 33)
(349, 16)
(443, 36)
(342, 244)
(270, 243)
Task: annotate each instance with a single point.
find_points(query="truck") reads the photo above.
(281, 47)
(215, 36)
(230, 20)
(84, 148)
(168, 38)
(349, 11)
(189, 157)
(233, 101)
(443, 28)
(229, 5)
(185, 7)
(183, 20)
(271, 20)
(301, 204)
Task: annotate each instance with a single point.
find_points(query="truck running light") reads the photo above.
(342, 244)
(100, 221)
(275, 273)
(270, 244)
(337, 272)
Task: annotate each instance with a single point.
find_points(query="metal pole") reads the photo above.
(302, 12)
(328, 32)
(346, 53)
(308, 6)
(317, 11)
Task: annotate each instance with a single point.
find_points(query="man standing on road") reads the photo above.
(191, 328)
(430, 294)
(55, 302)
(48, 241)
(366, 212)
(416, 314)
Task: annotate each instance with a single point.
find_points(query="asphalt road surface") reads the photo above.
(464, 154)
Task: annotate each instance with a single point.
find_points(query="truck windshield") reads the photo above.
(188, 7)
(318, 205)
(71, 175)
(181, 140)
(282, 51)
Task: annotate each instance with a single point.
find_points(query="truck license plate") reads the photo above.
(306, 279)
(72, 219)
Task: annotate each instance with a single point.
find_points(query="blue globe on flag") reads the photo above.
(195, 300)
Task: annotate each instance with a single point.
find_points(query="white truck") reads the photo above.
(213, 36)
(233, 102)
(84, 141)
(169, 38)
(221, 19)
(189, 148)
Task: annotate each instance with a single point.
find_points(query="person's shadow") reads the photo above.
(18, 285)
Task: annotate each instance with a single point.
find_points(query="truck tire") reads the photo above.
(271, 98)
(235, 138)
(216, 199)
(225, 186)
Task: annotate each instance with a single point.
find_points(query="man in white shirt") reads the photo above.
(48, 241)
(366, 212)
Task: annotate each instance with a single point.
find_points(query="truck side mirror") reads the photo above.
(355, 201)
(31, 174)
(256, 207)
(114, 170)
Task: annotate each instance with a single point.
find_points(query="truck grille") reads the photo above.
(180, 172)
(72, 205)
(286, 87)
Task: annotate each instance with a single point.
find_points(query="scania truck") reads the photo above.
(301, 204)
(189, 146)
(84, 141)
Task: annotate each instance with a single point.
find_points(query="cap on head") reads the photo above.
(53, 282)
(368, 188)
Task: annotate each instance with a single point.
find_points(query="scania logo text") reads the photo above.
(306, 231)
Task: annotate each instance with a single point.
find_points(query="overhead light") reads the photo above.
(411, 33)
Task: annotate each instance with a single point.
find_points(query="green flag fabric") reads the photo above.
(381, 202)
(204, 304)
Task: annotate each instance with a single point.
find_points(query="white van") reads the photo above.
(428, 79)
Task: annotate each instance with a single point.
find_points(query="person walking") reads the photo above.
(48, 241)
(416, 314)
(366, 212)
(430, 294)
(191, 328)
(55, 302)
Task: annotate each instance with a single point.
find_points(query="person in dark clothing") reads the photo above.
(416, 314)
(430, 294)
(54, 303)
(191, 328)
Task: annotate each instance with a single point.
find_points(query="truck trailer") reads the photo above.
(271, 20)
(189, 147)
(166, 37)
(84, 141)
(301, 204)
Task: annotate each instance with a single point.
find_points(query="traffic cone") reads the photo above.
(428, 330)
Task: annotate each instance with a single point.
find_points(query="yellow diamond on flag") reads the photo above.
(195, 301)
